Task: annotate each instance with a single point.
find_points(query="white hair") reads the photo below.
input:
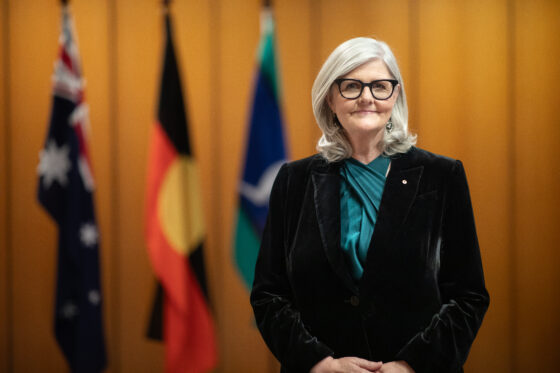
(334, 144)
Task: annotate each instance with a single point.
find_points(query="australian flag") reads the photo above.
(65, 191)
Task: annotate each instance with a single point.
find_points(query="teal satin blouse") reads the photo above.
(360, 195)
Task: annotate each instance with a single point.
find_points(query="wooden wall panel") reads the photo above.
(537, 176)
(33, 240)
(440, 68)
(384, 21)
(5, 273)
(294, 20)
(483, 107)
(139, 36)
(481, 82)
(462, 113)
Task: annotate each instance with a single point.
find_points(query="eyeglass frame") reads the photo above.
(393, 82)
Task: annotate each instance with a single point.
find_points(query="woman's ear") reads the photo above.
(397, 91)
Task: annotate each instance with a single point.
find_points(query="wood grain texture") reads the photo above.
(482, 84)
(537, 176)
(5, 254)
(139, 47)
(32, 233)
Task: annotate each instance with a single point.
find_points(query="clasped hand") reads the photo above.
(357, 365)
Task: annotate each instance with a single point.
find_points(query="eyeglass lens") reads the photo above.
(380, 89)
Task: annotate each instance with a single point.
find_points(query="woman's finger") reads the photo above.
(371, 366)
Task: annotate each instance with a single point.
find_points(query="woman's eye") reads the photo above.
(352, 86)
(381, 87)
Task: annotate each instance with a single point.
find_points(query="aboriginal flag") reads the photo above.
(175, 229)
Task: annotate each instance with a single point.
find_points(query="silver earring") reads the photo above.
(389, 126)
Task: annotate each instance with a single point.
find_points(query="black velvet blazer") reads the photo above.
(422, 295)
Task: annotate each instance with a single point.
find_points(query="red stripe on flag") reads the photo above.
(170, 266)
(66, 59)
(189, 334)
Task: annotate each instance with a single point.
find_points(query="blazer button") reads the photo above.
(354, 300)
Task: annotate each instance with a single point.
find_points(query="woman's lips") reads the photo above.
(364, 112)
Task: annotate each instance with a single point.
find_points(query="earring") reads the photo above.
(389, 126)
(336, 121)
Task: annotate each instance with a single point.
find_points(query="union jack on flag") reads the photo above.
(65, 191)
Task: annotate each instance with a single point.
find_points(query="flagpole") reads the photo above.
(166, 4)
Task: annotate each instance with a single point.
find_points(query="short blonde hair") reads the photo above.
(334, 144)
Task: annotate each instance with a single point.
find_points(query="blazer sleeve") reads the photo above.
(277, 317)
(444, 344)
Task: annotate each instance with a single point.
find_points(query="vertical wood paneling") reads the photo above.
(462, 112)
(537, 176)
(139, 37)
(387, 21)
(293, 24)
(112, 256)
(411, 75)
(33, 239)
(440, 68)
(483, 107)
(458, 60)
(5, 272)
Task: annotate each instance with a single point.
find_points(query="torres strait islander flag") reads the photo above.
(66, 192)
(175, 230)
(265, 155)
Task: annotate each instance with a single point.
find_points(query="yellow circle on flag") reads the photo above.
(179, 206)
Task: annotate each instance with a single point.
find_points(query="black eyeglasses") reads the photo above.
(381, 89)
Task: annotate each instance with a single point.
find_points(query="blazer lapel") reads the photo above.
(327, 205)
(400, 191)
(401, 188)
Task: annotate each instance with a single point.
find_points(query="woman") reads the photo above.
(369, 261)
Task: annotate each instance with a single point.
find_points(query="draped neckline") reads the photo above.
(360, 196)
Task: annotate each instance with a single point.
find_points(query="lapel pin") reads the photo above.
(404, 181)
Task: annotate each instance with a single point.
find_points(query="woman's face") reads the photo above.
(364, 116)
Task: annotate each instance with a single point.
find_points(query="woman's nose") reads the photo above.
(366, 95)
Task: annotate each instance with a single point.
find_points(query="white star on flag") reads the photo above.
(94, 297)
(54, 164)
(89, 234)
(69, 310)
